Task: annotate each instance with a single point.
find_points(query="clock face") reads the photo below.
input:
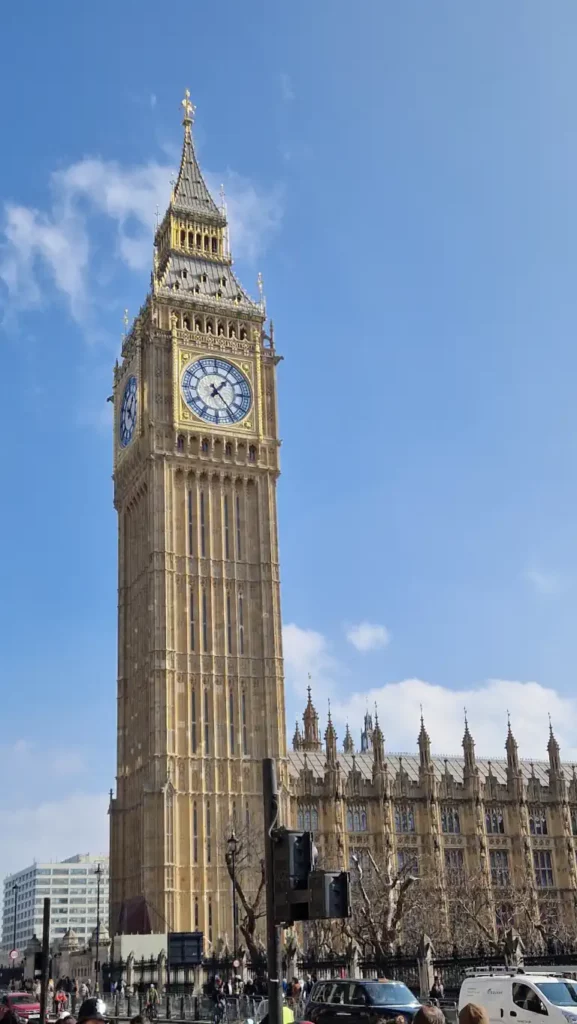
(216, 391)
(128, 412)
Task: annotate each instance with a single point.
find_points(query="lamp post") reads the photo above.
(98, 873)
(15, 888)
(232, 844)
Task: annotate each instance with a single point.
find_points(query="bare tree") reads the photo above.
(379, 903)
(247, 873)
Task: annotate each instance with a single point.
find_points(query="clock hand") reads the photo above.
(227, 405)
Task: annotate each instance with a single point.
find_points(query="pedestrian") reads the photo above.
(429, 1015)
(83, 991)
(437, 990)
(472, 1013)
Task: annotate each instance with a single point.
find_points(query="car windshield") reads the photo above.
(22, 997)
(562, 993)
(389, 993)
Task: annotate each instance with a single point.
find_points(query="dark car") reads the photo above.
(355, 1001)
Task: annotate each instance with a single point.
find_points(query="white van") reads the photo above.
(519, 998)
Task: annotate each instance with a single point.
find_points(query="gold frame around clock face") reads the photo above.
(186, 417)
(216, 390)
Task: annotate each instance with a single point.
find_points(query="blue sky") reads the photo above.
(403, 174)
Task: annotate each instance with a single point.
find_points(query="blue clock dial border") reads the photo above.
(128, 412)
(235, 409)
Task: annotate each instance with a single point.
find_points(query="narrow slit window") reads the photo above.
(210, 919)
(196, 917)
(246, 817)
(202, 525)
(193, 721)
(241, 623)
(228, 624)
(244, 725)
(206, 724)
(231, 718)
(238, 535)
(191, 621)
(208, 835)
(204, 623)
(190, 523)
(226, 528)
(195, 832)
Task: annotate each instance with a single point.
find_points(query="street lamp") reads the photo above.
(15, 888)
(232, 844)
(98, 873)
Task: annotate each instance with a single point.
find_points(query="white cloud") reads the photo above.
(528, 702)
(286, 87)
(399, 703)
(63, 241)
(306, 653)
(56, 241)
(549, 584)
(53, 830)
(368, 637)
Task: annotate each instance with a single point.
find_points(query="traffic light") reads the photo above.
(300, 892)
(293, 861)
(329, 894)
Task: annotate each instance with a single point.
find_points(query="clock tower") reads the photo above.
(200, 676)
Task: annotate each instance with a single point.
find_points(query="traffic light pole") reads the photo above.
(273, 933)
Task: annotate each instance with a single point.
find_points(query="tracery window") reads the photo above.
(537, 821)
(543, 867)
(450, 823)
(454, 865)
(407, 862)
(357, 818)
(499, 863)
(494, 821)
(404, 818)
(308, 818)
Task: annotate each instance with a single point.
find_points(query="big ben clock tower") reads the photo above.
(200, 678)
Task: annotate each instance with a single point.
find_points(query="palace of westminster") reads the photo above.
(200, 670)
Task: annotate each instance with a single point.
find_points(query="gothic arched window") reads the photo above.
(404, 818)
(180, 443)
(199, 240)
(183, 237)
(252, 453)
(494, 821)
(308, 818)
(228, 449)
(214, 245)
(357, 818)
(450, 822)
(190, 239)
(537, 821)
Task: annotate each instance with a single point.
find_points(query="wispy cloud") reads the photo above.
(286, 87)
(60, 250)
(549, 584)
(399, 703)
(368, 636)
(77, 823)
(306, 653)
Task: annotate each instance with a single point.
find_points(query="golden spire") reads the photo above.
(189, 109)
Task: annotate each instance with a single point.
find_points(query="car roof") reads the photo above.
(361, 981)
(526, 976)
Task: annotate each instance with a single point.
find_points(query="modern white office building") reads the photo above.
(72, 886)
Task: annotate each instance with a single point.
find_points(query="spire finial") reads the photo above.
(550, 723)
(466, 722)
(330, 720)
(508, 720)
(125, 322)
(422, 719)
(189, 109)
